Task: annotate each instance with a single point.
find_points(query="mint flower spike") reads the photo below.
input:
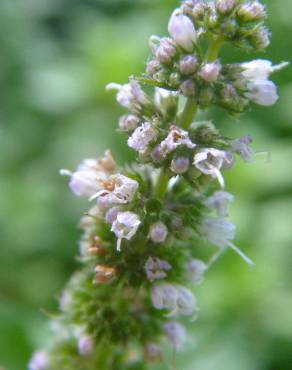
(138, 264)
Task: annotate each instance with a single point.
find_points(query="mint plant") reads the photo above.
(143, 237)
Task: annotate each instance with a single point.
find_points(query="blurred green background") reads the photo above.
(56, 57)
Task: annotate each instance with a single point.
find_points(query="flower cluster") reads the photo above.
(181, 64)
(138, 263)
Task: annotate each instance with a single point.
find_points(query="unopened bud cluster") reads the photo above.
(138, 265)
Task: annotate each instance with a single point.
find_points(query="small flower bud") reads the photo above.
(188, 88)
(225, 6)
(176, 334)
(85, 345)
(195, 270)
(128, 122)
(157, 154)
(158, 232)
(103, 274)
(182, 30)
(251, 11)
(152, 67)
(174, 79)
(166, 100)
(199, 11)
(210, 71)
(152, 353)
(39, 361)
(206, 96)
(188, 65)
(166, 50)
(260, 39)
(180, 165)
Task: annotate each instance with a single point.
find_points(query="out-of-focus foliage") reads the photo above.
(56, 57)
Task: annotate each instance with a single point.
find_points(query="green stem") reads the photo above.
(162, 182)
(188, 113)
(213, 50)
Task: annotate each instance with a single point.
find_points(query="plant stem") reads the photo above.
(162, 183)
(213, 50)
(188, 113)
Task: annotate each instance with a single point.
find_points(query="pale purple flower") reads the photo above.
(221, 233)
(176, 334)
(142, 137)
(186, 302)
(85, 345)
(262, 92)
(111, 215)
(182, 30)
(220, 201)
(260, 89)
(158, 232)
(225, 6)
(242, 146)
(85, 181)
(195, 270)
(125, 226)
(39, 361)
(175, 298)
(210, 161)
(217, 231)
(128, 122)
(164, 296)
(155, 268)
(87, 178)
(174, 139)
(210, 71)
(251, 11)
(117, 189)
(180, 165)
(130, 95)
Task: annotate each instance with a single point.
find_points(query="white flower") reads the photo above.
(130, 95)
(242, 147)
(260, 89)
(175, 298)
(155, 268)
(85, 345)
(182, 30)
(221, 232)
(158, 232)
(220, 201)
(176, 334)
(125, 226)
(39, 361)
(174, 139)
(142, 136)
(117, 189)
(195, 269)
(210, 161)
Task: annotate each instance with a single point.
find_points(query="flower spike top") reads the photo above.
(138, 269)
